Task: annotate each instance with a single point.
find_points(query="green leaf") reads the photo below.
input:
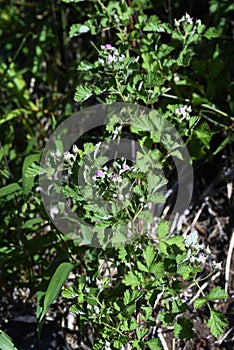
(217, 293)
(6, 342)
(178, 307)
(69, 1)
(77, 29)
(217, 323)
(223, 144)
(122, 253)
(70, 292)
(186, 271)
(204, 134)
(146, 216)
(163, 229)
(191, 240)
(163, 247)
(14, 187)
(82, 93)
(183, 328)
(199, 302)
(14, 114)
(152, 24)
(133, 279)
(156, 198)
(154, 344)
(34, 170)
(131, 296)
(177, 240)
(150, 254)
(211, 33)
(57, 281)
(166, 318)
(157, 269)
(31, 222)
(142, 267)
(28, 180)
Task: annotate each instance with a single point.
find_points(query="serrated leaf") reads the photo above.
(154, 344)
(163, 247)
(77, 29)
(191, 240)
(153, 24)
(142, 267)
(211, 33)
(57, 281)
(183, 328)
(163, 229)
(82, 93)
(217, 293)
(28, 180)
(131, 295)
(122, 253)
(177, 240)
(178, 307)
(217, 323)
(177, 154)
(6, 342)
(132, 279)
(157, 269)
(70, 292)
(157, 198)
(166, 318)
(154, 182)
(199, 302)
(186, 271)
(34, 170)
(204, 134)
(146, 216)
(149, 254)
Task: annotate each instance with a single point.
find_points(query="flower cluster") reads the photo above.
(70, 158)
(110, 55)
(187, 20)
(197, 253)
(112, 183)
(184, 112)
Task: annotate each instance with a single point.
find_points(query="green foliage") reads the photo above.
(6, 342)
(217, 323)
(168, 61)
(57, 281)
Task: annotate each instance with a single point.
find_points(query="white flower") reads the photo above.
(201, 258)
(75, 149)
(188, 19)
(69, 157)
(184, 111)
(54, 211)
(110, 59)
(185, 19)
(56, 155)
(217, 266)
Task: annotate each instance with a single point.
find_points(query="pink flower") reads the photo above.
(201, 258)
(108, 47)
(99, 173)
(110, 59)
(125, 167)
